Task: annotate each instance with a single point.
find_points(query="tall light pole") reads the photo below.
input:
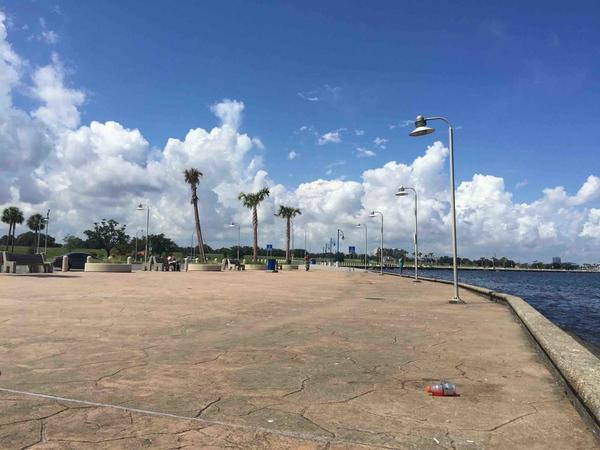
(373, 214)
(421, 129)
(231, 225)
(136, 244)
(142, 207)
(402, 191)
(46, 240)
(366, 241)
(337, 253)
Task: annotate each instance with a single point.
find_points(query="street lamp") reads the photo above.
(231, 225)
(337, 253)
(421, 129)
(141, 207)
(366, 242)
(403, 191)
(373, 213)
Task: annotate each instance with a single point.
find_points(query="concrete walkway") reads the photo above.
(261, 360)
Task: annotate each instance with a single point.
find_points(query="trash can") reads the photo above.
(271, 264)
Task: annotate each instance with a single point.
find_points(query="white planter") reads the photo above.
(255, 266)
(289, 267)
(204, 267)
(107, 267)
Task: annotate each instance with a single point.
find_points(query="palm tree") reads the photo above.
(12, 216)
(6, 219)
(288, 213)
(251, 200)
(192, 177)
(36, 224)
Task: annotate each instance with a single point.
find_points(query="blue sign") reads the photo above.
(269, 246)
(352, 250)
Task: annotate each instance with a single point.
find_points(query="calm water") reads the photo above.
(570, 300)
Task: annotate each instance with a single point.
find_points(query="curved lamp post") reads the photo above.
(232, 225)
(403, 191)
(361, 225)
(421, 129)
(373, 214)
(142, 207)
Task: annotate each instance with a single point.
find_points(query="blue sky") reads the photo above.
(519, 81)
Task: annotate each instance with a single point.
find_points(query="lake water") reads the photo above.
(570, 300)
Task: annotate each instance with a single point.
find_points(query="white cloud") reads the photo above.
(380, 142)
(331, 137)
(521, 184)
(364, 153)
(359, 132)
(60, 109)
(103, 169)
(292, 155)
(230, 112)
(50, 37)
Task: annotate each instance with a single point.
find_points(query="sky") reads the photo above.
(103, 105)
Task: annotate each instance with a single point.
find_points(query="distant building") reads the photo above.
(556, 260)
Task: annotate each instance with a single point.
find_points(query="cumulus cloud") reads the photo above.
(60, 104)
(84, 172)
(292, 155)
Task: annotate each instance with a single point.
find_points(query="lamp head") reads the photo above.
(421, 128)
(232, 224)
(372, 214)
(358, 225)
(140, 207)
(401, 192)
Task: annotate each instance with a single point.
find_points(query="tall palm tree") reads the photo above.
(6, 219)
(12, 216)
(36, 224)
(192, 177)
(251, 200)
(288, 213)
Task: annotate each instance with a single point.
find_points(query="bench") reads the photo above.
(154, 263)
(35, 263)
(159, 264)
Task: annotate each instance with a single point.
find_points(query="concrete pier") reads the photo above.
(269, 360)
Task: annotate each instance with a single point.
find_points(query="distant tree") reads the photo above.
(107, 235)
(161, 244)
(73, 242)
(251, 201)
(13, 216)
(192, 177)
(288, 213)
(36, 224)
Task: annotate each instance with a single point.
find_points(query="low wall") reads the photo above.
(578, 367)
(324, 268)
(194, 267)
(107, 267)
(289, 267)
(255, 266)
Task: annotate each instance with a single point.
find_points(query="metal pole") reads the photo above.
(456, 298)
(337, 251)
(46, 241)
(239, 240)
(416, 239)
(381, 244)
(366, 246)
(136, 247)
(147, 227)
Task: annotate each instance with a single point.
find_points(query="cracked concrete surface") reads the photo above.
(261, 360)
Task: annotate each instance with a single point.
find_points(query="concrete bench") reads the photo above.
(154, 263)
(35, 263)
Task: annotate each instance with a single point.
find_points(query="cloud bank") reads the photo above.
(85, 172)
